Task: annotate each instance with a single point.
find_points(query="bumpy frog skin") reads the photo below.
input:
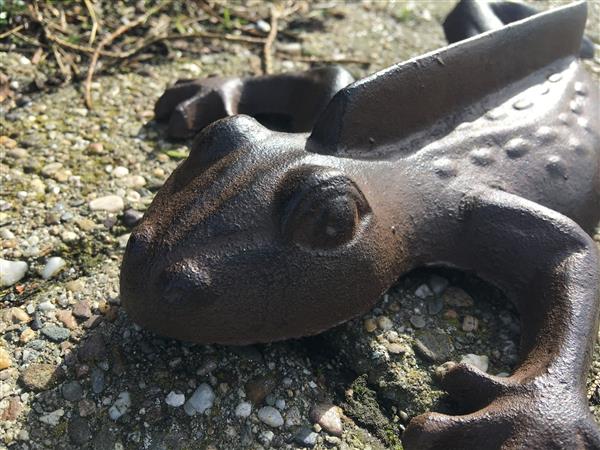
(484, 155)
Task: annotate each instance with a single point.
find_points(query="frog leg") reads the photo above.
(549, 267)
(287, 102)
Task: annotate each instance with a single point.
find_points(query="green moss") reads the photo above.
(363, 407)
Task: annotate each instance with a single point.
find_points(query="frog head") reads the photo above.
(255, 239)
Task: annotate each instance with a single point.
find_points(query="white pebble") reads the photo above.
(120, 171)
(174, 399)
(479, 361)
(201, 400)
(423, 292)
(109, 203)
(52, 418)
(243, 410)
(5, 233)
(120, 406)
(270, 416)
(11, 271)
(53, 266)
(46, 306)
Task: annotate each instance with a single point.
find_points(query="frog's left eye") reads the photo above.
(320, 208)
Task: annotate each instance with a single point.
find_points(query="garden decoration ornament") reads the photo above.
(305, 197)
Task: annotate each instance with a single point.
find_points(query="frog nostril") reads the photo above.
(183, 281)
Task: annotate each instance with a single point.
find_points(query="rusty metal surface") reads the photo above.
(484, 155)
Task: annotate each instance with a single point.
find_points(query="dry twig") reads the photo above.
(11, 31)
(106, 41)
(267, 61)
(92, 13)
(332, 60)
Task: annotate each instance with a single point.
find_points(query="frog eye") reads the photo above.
(321, 208)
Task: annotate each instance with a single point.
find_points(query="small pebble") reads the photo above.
(131, 217)
(72, 391)
(370, 325)
(15, 315)
(456, 297)
(479, 361)
(120, 406)
(385, 323)
(328, 417)
(423, 292)
(5, 361)
(66, 317)
(97, 379)
(306, 437)
(86, 407)
(27, 335)
(201, 400)
(258, 388)
(52, 418)
(39, 377)
(243, 410)
(12, 271)
(174, 399)
(79, 431)
(417, 321)
(270, 416)
(82, 310)
(53, 266)
(435, 305)
(55, 333)
(470, 324)
(46, 306)
(438, 284)
(109, 203)
(120, 171)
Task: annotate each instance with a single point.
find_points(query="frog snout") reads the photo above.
(184, 281)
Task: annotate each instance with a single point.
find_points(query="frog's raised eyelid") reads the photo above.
(396, 102)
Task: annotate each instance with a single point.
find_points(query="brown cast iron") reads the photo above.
(484, 155)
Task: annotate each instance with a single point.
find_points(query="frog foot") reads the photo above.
(508, 414)
(288, 102)
(191, 105)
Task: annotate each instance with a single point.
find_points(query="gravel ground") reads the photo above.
(75, 372)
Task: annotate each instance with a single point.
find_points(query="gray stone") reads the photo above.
(79, 431)
(201, 400)
(97, 379)
(270, 416)
(306, 437)
(417, 321)
(72, 391)
(121, 406)
(131, 217)
(55, 333)
(437, 284)
(434, 345)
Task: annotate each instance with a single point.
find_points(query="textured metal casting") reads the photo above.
(484, 156)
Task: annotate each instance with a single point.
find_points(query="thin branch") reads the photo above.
(106, 41)
(11, 31)
(92, 13)
(332, 60)
(267, 61)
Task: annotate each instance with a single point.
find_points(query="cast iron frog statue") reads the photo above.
(484, 155)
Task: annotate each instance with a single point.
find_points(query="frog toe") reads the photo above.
(470, 386)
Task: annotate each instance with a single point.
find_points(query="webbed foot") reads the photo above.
(288, 102)
(532, 415)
